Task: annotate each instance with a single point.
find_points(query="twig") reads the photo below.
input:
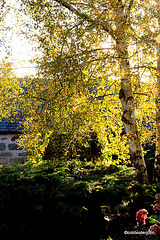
(153, 219)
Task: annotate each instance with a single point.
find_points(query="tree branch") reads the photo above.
(144, 94)
(87, 18)
(147, 67)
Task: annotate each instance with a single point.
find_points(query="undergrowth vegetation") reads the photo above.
(66, 199)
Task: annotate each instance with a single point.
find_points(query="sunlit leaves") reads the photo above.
(10, 91)
(78, 80)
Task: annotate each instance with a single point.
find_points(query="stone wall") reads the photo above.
(9, 149)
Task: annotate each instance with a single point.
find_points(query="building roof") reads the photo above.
(13, 125)
(7, 126)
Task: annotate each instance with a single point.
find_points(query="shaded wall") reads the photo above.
(9, 149)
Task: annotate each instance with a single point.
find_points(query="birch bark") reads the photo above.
(127, 99)
(129, 118)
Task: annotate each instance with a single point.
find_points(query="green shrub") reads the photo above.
(63, 198)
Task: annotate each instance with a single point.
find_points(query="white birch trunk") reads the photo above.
(127, 100)
(129, 120)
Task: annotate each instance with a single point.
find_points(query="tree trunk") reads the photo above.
(157, 155)
(127, 99)
(128, 117)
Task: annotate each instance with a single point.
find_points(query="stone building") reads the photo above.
(9, 149)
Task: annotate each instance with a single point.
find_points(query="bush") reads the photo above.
(61, 198)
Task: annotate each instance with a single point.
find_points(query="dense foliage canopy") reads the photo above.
(97, 71)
